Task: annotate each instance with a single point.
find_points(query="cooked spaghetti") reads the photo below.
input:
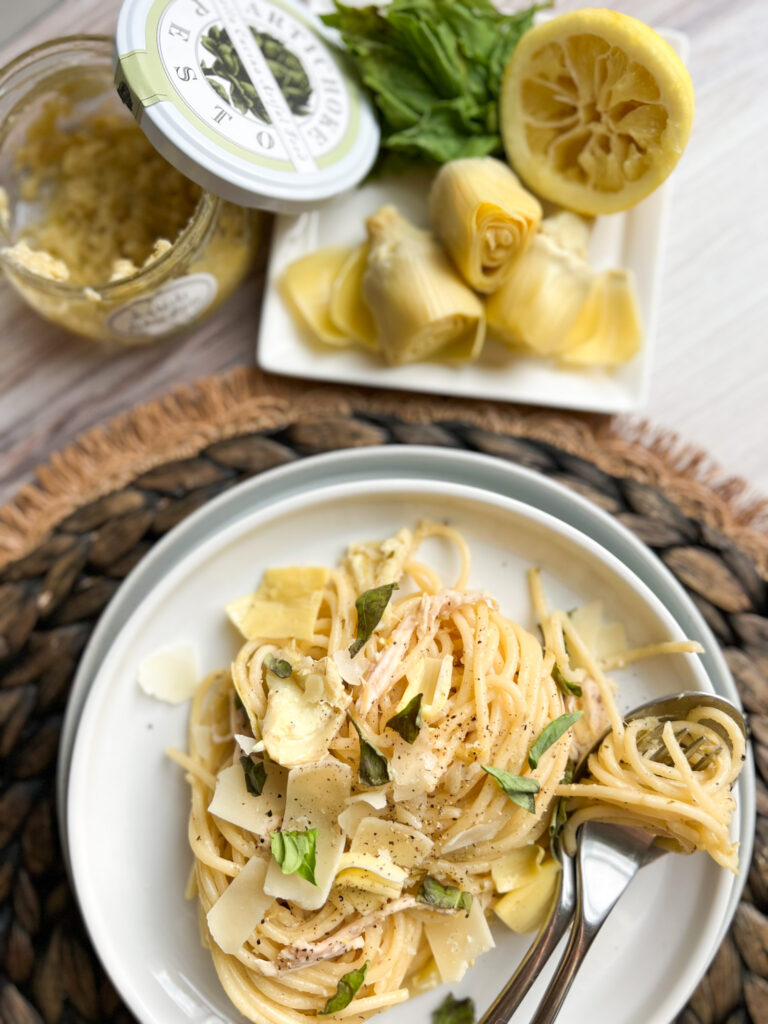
(378, 770)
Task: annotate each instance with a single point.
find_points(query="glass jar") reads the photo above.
(65, 88)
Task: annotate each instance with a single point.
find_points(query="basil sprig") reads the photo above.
(551, 734)
(560, 815)
(408, 722)
(370, 607)
(454, 1011)
(445, 897)
(281, 668)
(374, 769)
(346, 989)
(569, 689)
(296, 852)
(519, 789)
(255, 775)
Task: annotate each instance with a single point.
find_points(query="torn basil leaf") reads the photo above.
(454, 1011)
(445, 897)
(370, 607)
(346, 989)
(281, 668)
(295, 852)
(560, 815)
(374, 768)
(255, 775)
(551, 734)
(408, 722)
(519, 789)
(563, 685)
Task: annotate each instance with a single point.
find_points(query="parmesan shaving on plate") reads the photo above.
(240, 907)
(170, 674)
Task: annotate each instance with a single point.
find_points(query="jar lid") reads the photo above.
(248, 98)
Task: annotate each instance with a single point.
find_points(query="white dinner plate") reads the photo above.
(128, 804)
(635, 239)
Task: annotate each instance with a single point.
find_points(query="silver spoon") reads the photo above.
(609, 856)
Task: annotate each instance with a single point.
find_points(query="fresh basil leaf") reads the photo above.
(296, 852)
(370, 607)
(560, 815)
(255, 775)
(445, 897)
(346, 989)
(374, 769)
(551, 734)
(519, 789)
(454, 1011)
(281, 668)
(563, 685)
(408, 722)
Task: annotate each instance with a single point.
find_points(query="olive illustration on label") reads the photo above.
(231, 81)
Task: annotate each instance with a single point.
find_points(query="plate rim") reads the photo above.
(230, 533)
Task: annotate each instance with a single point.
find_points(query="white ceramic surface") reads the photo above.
(127, 830)
(635, 239)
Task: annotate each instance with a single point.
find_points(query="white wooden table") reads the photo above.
(711, 368)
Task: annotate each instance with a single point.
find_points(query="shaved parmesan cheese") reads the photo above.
(248, 744)
(516, 868)
(612, 639)
(170, 674)
(296, 730)
(414, 766)
(285, 605)
(406, 846)
(352, 669)
(258, 814)
(474, 834)
(237, 912)
(376, 798)
(524, 909)
(201, 740)
(587, 621)
(457, 939)
(317, 795)
(432, 677)
(359, 808)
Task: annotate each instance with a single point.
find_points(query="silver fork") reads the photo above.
(609, 856)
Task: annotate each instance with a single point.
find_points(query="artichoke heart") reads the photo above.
(541, 299)
(569, 230)
(347, 308)
(419, 303)
(608, 331)
(306, 286)
(484, 218)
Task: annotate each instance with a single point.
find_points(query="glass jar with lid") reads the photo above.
(128, 214)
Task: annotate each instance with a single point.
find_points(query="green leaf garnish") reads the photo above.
(563, 685)
(560, 815)
(374, 769)
(295, 852)
(454, 1011)
(446, 897)
(434, 69)
(408, 722)
(519, 789)
(370, 607)
(346, 990)
(551, 734)
(279, 666)
(255, 775)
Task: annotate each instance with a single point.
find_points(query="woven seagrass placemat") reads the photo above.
(96, 509)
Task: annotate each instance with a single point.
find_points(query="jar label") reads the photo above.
(259, 77)
(174, 305)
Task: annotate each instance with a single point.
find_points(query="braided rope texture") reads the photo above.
(51, 599)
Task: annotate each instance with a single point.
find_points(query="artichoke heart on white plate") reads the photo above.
(608, 331)
(347, 309)
(569, 230)
(484, 217)
(419, 303)
(540, 300)
(307, 287)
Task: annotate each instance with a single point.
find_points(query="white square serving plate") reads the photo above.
(634, 239)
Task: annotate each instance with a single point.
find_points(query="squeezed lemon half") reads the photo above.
(596, 110)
